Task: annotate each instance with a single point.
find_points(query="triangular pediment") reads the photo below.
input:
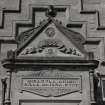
(53, 41)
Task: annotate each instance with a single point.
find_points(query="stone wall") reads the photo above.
(84, 16)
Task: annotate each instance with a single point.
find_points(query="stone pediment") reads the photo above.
(51, 39)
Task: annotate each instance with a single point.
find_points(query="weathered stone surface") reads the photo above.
(17, 16)
(92, 1)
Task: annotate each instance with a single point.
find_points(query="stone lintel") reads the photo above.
(20, 62)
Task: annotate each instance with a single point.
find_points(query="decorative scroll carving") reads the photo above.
(25, 35)
(51, 43)
(52, 84)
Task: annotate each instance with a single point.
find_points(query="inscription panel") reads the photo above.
(50, 85)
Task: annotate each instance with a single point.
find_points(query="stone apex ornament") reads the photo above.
(51, 12)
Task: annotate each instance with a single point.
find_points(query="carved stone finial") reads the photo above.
(3, 80)
(10, 54)
(51, 12)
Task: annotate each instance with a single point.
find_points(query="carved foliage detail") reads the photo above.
(51, 43)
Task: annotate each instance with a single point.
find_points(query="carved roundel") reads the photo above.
(50, 32)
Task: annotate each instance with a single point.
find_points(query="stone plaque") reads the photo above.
(52, 85)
